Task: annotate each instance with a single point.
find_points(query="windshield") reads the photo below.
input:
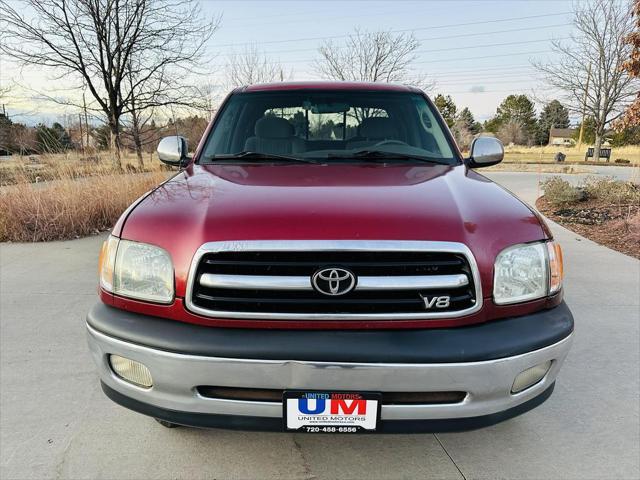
(329, 126)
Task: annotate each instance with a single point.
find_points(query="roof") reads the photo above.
(562, 132)
(328, 85)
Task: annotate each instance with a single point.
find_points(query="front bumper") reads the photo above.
(487, 376)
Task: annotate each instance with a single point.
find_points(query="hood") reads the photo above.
(208, 203)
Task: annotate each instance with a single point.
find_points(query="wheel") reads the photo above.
(166, 424)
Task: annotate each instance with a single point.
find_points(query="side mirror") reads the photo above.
(173, 150)
(485, 151)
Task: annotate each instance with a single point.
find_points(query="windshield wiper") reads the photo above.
(247, 155)
(381, 156)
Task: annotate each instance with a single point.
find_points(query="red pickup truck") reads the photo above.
(328, 261)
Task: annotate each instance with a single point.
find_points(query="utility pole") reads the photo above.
(81, 135)
(86, 121)
(584, 108)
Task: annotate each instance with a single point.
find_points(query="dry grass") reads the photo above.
(42, 168)
(519, 154)
(537, 168)
(75, 200)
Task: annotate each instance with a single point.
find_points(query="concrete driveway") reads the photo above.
(55, 421)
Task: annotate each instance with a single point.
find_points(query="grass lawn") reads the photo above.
(518, 154)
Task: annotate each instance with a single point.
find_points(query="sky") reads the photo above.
(477, 51)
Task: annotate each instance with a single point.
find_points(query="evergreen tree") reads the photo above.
(519, 108)
(554, 115)
(626, 136)
(447, 108)
(465, 117)
(515, 110)
(63, 137)
(102, 135)
(492, 125)
(54, 139)
(589, 134)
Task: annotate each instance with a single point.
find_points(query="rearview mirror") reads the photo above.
(485, 151)
(173, 150)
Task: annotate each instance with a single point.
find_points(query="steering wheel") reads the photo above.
(390, 142)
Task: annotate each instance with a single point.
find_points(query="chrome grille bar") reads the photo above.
(255, 282)
(417, 282)
(376, 247)
(276, 282)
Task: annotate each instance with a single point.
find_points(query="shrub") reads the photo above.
(559, 192)
(614, 191)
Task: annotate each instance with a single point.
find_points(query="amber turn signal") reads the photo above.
(556, 269)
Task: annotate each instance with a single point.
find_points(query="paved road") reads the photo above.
(55, 421)
(622, 173)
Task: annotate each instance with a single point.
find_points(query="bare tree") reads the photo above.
(137, 123)
(463, 134)
(167, 87)
(372, 57)
(252, 66)
(5, 90)
(153, 92)
(118, 49)
(209, 94)
(140, 114)
(589, 68)
(23, 139)
(513, 132)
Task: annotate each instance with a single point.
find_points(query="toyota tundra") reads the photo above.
(327, 260)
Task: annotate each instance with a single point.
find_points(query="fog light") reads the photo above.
(131, 371)
(530, 377)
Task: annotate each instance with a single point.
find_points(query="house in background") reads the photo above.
(562, 136)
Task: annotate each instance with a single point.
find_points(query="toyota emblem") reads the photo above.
(333, 281)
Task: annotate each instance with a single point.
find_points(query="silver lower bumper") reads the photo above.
(175, 377)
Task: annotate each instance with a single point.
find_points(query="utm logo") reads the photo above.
(333, 404)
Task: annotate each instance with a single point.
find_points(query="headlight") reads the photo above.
(527, 272)
(136, 270)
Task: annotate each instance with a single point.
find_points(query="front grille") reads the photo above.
(275, 396)
(278, 282)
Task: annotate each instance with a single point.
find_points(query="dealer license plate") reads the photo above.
(331, 412)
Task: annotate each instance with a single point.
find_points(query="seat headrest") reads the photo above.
(273, 127)
(377, 127)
